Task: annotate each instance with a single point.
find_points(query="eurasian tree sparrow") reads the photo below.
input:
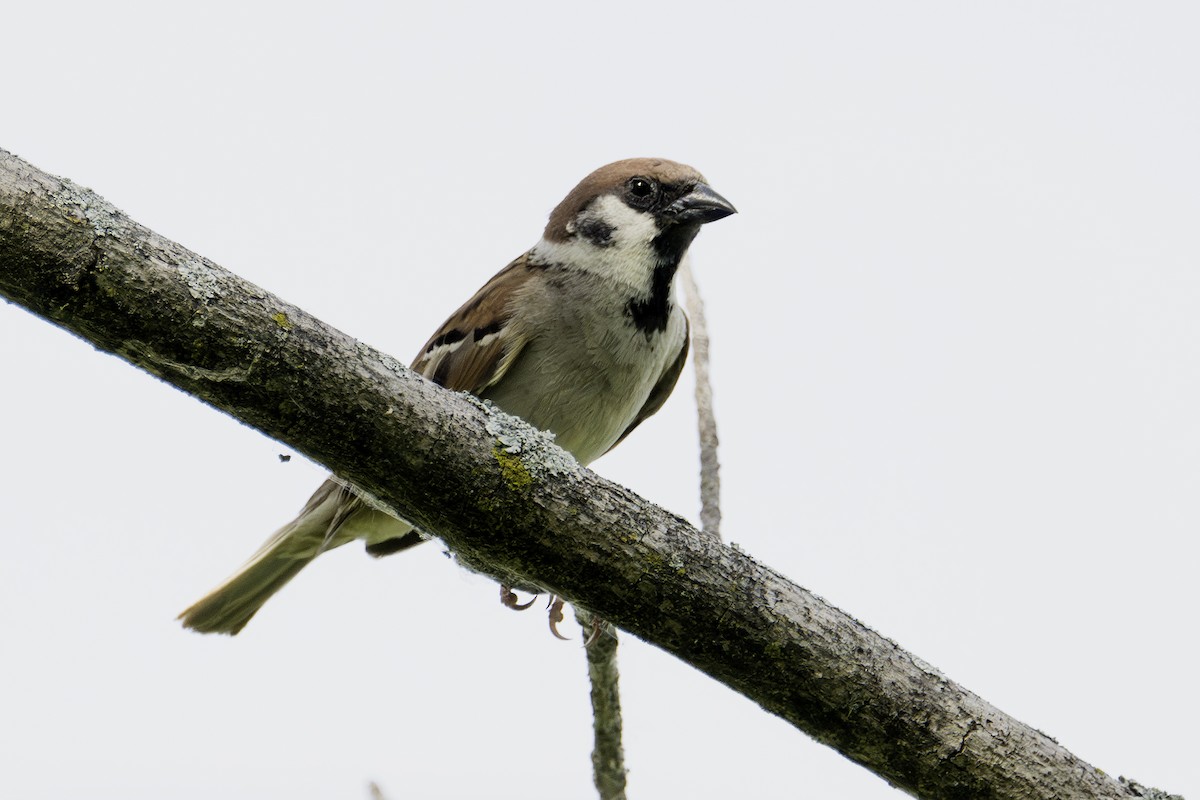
(580, 336)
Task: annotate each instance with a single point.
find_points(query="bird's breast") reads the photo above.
(586, 372)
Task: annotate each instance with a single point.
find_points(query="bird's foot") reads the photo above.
(556, 615)
(508, 598)
(597, 627)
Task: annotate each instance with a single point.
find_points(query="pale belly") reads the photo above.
(587, 396)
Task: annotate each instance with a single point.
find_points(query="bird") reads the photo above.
(580, 336)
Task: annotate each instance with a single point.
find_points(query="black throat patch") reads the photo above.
(650, 314)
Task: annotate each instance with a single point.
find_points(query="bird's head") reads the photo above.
(632, 217)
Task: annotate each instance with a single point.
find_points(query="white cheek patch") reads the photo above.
(628, 257)
(633, 228)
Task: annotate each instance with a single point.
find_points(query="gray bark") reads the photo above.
(461, 469)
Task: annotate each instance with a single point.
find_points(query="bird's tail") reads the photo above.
(334, 515)
(227, 608)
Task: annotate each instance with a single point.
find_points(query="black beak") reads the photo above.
(699, 206)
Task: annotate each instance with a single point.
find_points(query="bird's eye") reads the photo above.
(640, 187)
(642, 190)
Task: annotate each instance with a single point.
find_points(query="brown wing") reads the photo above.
(472, 350)
(662, 389)
(476, 345)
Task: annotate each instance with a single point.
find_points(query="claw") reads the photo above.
(556, 616)
(597, 629)
(509, 599)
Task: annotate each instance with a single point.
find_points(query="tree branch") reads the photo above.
(463, 470)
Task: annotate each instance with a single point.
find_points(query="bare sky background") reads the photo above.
(956, 343)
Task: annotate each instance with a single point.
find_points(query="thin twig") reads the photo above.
(706, 420)
(608, 754)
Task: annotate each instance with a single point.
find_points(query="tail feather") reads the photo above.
(228, 608)
(333, 516)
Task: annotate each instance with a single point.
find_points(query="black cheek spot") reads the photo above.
(596, 231)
